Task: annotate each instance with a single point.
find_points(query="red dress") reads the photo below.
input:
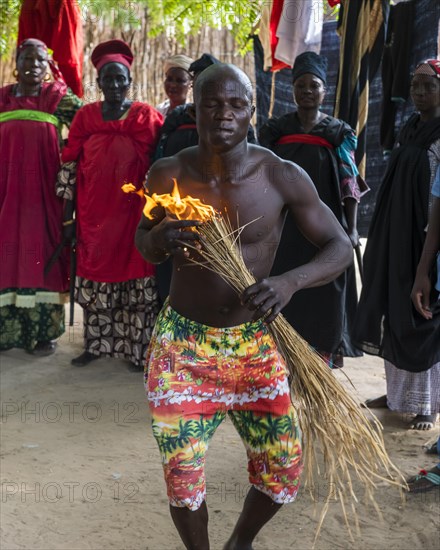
(109, 154)
(30, 213)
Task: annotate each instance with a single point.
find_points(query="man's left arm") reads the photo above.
(319, 225)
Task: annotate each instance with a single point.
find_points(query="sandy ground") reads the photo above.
(80, 468)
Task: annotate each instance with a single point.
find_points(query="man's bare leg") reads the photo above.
(258, 509)
(192, 526)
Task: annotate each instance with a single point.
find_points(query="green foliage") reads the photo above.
(9, 12)
(120, 15)
(179, 18)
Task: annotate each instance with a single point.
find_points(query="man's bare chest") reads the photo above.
(254, 206)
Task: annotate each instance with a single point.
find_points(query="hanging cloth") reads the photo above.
(299, 30)
(362, 26)
(275, 16)
(58, 24)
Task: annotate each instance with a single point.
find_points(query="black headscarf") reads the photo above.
(310, 63)
(205, 61)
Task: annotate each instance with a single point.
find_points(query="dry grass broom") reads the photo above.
(330, 419)
(350, 441)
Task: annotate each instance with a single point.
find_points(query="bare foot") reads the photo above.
(423, 422)
(377, 403)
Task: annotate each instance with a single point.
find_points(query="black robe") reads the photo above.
(387, 323)
(323, 315)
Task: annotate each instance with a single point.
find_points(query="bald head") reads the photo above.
(219, 75)
(223, 98)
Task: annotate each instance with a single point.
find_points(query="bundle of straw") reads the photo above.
(351, 442)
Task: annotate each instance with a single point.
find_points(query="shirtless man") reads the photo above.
(211, 354)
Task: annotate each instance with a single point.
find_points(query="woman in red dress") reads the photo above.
(112, 142)
(31, 113)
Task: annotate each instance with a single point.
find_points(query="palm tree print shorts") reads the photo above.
(195, 375)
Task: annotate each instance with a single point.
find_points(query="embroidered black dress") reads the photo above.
(322, 315)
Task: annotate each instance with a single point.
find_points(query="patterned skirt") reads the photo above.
(118, 317)
(24, 327)
(413, 392)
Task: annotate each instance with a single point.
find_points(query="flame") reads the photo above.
(187, 208)
(130, 188)
(149, 205)
(175, 192)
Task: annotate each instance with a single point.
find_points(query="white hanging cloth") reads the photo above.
(299, 29)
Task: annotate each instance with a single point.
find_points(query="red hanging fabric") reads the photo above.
(58, 24)
(275, 17)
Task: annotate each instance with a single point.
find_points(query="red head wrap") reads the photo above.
(30, 43)
(430, 67)
(35, 43)
(112, 51)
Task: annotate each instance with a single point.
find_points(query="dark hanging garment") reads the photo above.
(322, 315)
(362, 27)
(387, 323)
(396, 74)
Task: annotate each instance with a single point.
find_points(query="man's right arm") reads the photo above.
(144, 241)
(162, 236)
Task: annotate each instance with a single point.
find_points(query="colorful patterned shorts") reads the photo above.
(195, 376)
